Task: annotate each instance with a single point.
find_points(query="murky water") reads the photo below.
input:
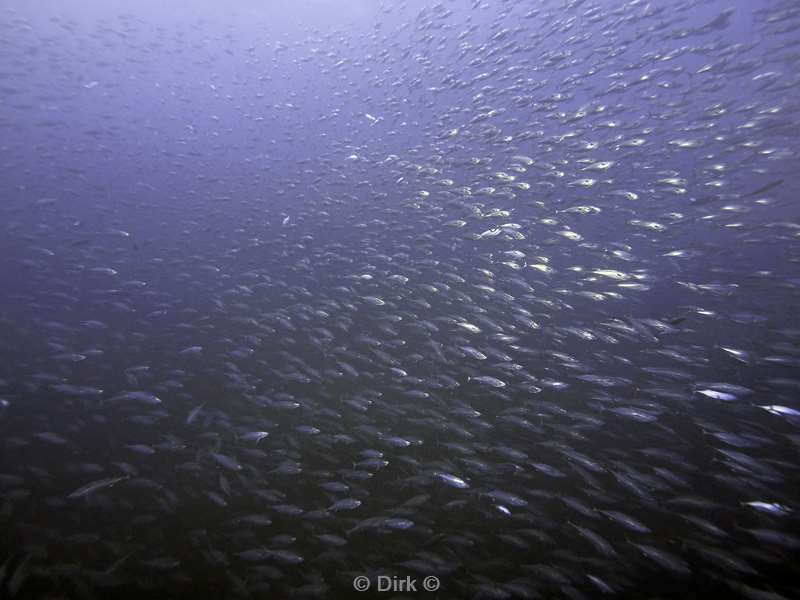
(495, 298)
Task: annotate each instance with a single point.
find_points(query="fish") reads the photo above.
(452, 480)
(765, 188)
(716, 395)
(786, 411)
(489, 380)
(95, 486)
(664, 559)
(344, 504)
(136, 396)
(226, 461)
(626, 520)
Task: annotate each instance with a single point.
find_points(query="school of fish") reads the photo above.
(499, 292)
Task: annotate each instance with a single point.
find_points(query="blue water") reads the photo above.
(496, 293)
